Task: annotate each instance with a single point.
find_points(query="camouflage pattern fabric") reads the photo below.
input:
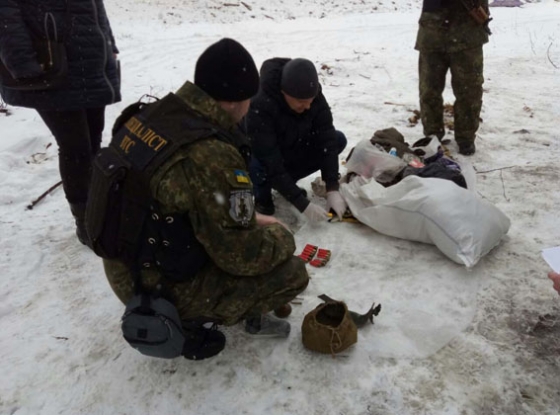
(252, 269)
(450, 29)
(450, 39)
(466, 80)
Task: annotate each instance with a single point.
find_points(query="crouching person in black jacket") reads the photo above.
(291, 128)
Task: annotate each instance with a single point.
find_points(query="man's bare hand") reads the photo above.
(555, 277)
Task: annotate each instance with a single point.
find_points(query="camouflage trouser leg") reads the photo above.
(217, 295)
(229, 299)
(432, 68)
(467, 79)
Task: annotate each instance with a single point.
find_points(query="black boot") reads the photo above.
(201, 342)
(467, 149)
(79, 213)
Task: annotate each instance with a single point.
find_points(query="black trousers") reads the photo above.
(261, 185)
(78, 135)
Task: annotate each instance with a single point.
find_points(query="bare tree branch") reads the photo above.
(501, 168)
(503, 185)
(548, 56)
(34, 203)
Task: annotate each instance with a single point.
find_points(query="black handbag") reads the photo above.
(51, 55)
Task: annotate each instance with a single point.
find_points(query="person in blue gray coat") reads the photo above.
(74, 109)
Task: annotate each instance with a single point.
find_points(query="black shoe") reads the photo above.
(467, 149)
(265, 208)
(201, 342)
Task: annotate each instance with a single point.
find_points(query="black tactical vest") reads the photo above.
(123, 221)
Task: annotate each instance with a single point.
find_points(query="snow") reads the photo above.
(448, 340)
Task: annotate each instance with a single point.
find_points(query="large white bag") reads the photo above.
(435, 211)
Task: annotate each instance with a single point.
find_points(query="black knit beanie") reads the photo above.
(227, 72)
(299, 79)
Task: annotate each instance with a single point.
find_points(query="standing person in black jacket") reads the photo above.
(74, 109)
(291, 127)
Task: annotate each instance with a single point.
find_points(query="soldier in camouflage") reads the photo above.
(251, 268)
(450, 38)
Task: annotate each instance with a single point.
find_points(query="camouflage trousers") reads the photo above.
(466, 80)
(216, 295)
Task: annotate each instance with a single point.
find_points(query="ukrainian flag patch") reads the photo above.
(241, 176)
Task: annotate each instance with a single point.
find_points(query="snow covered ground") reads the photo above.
(448, 340)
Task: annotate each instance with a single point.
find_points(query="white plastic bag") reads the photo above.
(463, 226)
(429, 149)
(370, 162)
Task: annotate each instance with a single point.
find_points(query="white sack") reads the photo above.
(468, 172)
(463, 226)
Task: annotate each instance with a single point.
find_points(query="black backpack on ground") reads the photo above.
(152, 326)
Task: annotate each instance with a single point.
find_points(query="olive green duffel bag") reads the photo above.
(329, 328)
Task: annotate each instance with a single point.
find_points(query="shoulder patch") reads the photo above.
(241, 176)
(242, 206)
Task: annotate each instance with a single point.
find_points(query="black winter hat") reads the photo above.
(226, 71)
(299, 79)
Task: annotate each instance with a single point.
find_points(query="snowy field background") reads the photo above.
(448, 340)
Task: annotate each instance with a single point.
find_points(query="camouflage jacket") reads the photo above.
(207, 180)
(448, 27)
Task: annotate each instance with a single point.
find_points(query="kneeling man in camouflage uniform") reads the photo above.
(241, 263)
